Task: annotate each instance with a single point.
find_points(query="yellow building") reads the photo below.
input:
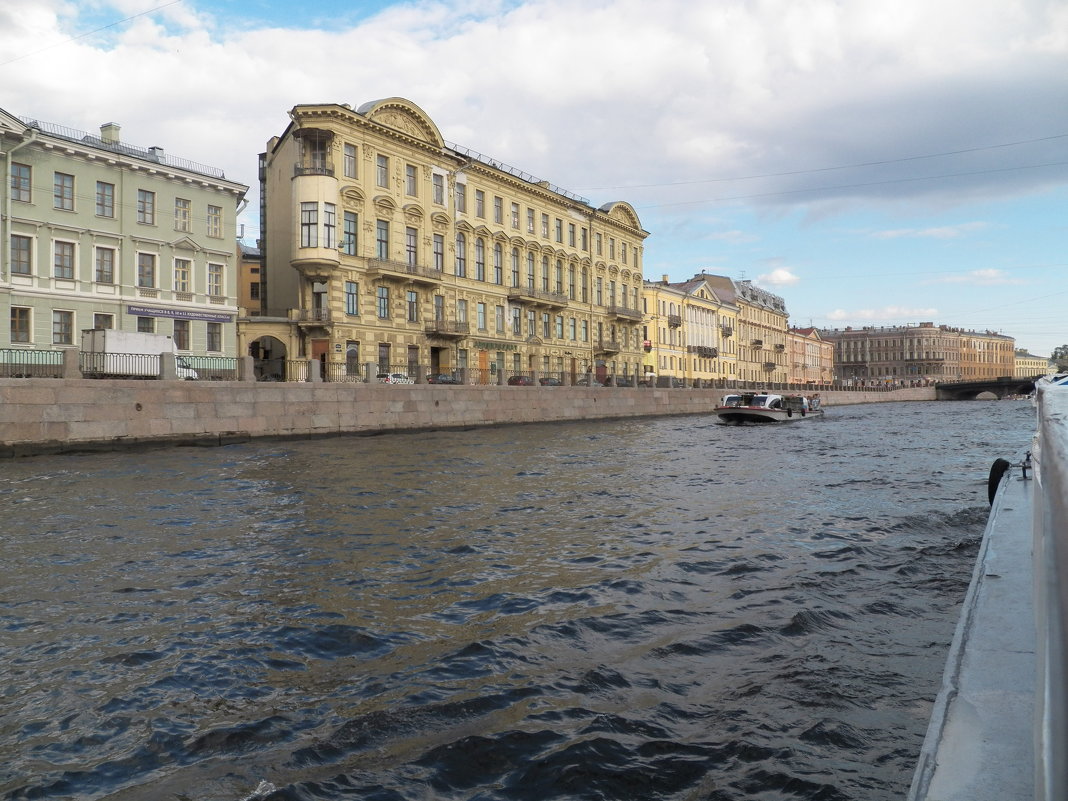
(762, 324)
(1029, 365)
(689, 329)
(810, 359)
(392, 249)
(986, 355)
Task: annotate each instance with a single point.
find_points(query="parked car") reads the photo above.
(550, 382)
(520, 381)
(394, 378)
(442, 378)
(588, 382)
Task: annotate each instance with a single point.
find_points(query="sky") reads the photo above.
(872, 163)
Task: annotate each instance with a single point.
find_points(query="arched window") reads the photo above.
(480, 259)
(461, 255)
(515, 267)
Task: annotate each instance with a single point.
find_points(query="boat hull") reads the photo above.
(740, 414)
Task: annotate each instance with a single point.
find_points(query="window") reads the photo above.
(439, 252)
(480, 259)
(382, 171)
(20, 182)
(480, 203)
(105, 199)
(254, 290)
(481, 322)
(411, 179)
(146, 269)
(146, 325)
(585, 239)
(382, 298)
(545, 225)
(411, 246)
(517, 321)
(597, 243)
(571, 234)
(382, 239)
(599, 296)
(498, 318)
(63, 192)
(329, 225)
(498, 267)
(546, 325)
(352, 298)
(544, 273)
(348, 235)
(559, 326)
(532, 322)
(215, 222)
(181, 334)
(181, 214)
(585, 330)
(530, 221)
(530, 271)
(348, 161)
(438, 188)
(62, 328)
(558, 278)
(63, 263)
(215, 280)
(413, 306)
(309, 225)
(571, 281)
(21, 255)
(181, 275)
(611, 247)
(515, 216)
(439, 307)
(515, 267)
(558, 229)
(461, 198)
(623, 254)
(571, 329)
(20, 324)
(215, 337)
(106, 321)
(461, 256)
(146, 207)
(498, 210)
(461, 311)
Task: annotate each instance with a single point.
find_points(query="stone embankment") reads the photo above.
(65, 415)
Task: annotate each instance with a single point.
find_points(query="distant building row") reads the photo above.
(382, 243)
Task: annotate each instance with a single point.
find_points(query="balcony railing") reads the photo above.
(728, 331)
(538, 297)
(313, 315)
(703, 351)
(447, 328)
(769, 366)
(314, 167)
(608, 346)
(625, 312)
(758, 343)
(674, 320)
(387, 268)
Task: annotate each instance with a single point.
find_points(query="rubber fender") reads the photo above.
(997, 472)
(789, 412)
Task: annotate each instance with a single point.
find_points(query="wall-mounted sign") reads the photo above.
(178, 314)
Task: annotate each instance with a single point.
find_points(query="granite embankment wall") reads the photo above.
(62, 415)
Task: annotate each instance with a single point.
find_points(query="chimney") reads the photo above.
(157, 153)
(109, 132)
(666, 279)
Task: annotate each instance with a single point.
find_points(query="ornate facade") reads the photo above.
(385, 245)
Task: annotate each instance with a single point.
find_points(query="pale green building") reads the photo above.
(98, 233)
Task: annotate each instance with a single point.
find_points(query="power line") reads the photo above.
(87, 33)
(852, 186)
(828, 169)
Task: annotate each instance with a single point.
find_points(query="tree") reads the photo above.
(1060, 355)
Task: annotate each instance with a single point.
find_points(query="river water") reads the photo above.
(641, 609)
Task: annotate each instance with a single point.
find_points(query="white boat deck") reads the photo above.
(979, 744)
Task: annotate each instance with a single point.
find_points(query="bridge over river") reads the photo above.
(1002, 387)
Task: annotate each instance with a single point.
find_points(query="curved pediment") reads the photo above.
(404, 116)
(352, 196)
(440, 218)
(622, 212)
(385, 203)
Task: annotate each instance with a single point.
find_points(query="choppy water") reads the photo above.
(642, 609)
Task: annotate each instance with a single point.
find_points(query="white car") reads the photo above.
(395, 378)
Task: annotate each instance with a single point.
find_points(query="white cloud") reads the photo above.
(938, 232)
(887, 313)
(989, 277)
(779, 277)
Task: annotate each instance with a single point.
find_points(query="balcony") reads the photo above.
(703, 351)
(674, 321)
(780, 348)
(758, 343)
(625, 313)
(313, 318)
(447, 329)
(537, 297)
(314, 166)
(728, 331)
(402, 271)
(607, 346)
(770, 366)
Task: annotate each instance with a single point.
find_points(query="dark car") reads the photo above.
(442, 378)
(550, 382)
(587, 382)
(521, 381)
